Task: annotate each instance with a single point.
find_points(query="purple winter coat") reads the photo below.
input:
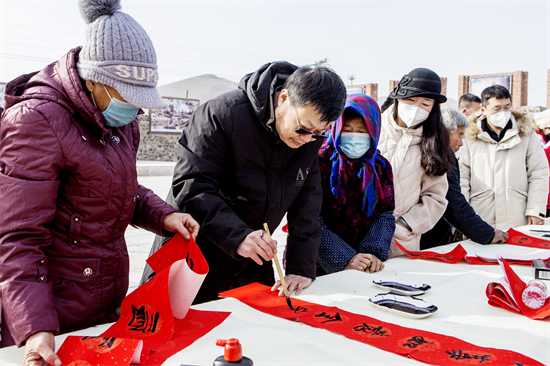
(68, 190)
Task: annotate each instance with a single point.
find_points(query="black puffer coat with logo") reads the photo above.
(234, 173)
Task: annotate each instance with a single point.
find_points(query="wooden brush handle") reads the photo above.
(281, 277)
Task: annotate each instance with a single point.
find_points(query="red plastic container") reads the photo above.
(232, 353)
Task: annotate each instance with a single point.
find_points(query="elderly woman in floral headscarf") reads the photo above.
(357, 214)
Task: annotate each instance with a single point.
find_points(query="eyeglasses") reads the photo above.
(302, 131)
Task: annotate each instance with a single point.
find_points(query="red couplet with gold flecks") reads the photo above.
(424, 346)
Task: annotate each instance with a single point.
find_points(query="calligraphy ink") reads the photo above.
(534, 295)
(232, 353)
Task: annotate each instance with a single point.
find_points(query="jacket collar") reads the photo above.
(521, 127)
(261, 87)
(59, 82)
(396, 132)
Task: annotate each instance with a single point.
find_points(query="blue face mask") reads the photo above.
(355, 145)
(119, 113)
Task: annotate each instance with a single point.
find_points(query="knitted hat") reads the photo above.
(118, 53)
(419, 83)
(542, 119)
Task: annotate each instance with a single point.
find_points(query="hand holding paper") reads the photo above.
(156, 316)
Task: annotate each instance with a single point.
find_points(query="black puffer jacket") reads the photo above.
(459, 214)
(234, 173)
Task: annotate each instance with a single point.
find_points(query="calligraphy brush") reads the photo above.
(283, 283)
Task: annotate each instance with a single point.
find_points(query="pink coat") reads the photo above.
(68, 190)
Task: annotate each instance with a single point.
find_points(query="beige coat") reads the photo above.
(504, 181)
(419, 198)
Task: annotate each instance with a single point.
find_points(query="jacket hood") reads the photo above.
(524, 121)
(261, 87)
(59, 83)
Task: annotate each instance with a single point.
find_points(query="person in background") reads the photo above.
(503, 170)
(357, 213)
(542, 121)
(416, 143)
(68, 143)
(459, 213)
(248, 157)
(469, 104)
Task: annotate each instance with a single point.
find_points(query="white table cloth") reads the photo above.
(458, 290)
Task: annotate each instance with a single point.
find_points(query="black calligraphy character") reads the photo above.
(459, 355)
(517, 363)
(107, 342)
(300, 309)
(445, 256)
(335, 318)
(371, 330)
(189, 262)
(142, 321)
(415, 342)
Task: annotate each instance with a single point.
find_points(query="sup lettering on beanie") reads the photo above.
(118, 53)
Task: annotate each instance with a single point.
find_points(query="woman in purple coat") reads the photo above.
(68, 184)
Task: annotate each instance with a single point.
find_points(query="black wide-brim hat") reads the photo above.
(419, 83)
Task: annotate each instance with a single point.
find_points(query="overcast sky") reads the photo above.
(376, 41)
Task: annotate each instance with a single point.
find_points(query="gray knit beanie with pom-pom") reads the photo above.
(118, 53)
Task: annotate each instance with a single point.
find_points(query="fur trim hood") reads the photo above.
(524, 121)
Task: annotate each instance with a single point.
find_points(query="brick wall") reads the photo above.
(393, 85)
(463, 85)
(519, 88)
(156, 147)
(443, 86)
(372, 91)
(520, 83)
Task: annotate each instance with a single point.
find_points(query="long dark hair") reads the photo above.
(437, 158)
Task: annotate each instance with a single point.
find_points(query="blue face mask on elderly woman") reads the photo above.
(354, 144)
(119, 113)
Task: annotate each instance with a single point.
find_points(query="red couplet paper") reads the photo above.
(428, 347)
(453, 256)
(517, 238)
(92, 351)
(156, 314)
(146, 314)
(477, 261)
(179, 248)
(186, 331)
(499, 295)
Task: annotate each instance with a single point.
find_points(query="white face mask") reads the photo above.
(500, 119)
(411, 115)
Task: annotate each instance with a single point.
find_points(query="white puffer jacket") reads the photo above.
(504, 181)
(419, 198)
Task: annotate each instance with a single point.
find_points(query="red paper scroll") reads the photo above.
(517, 238)
(428, 347)
(186, 331)
(508, 295)
(453, 256)
(152, 313)
(92, 351)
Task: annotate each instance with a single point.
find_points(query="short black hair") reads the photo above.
(319, 86)
(467, 99)
(494, 91)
